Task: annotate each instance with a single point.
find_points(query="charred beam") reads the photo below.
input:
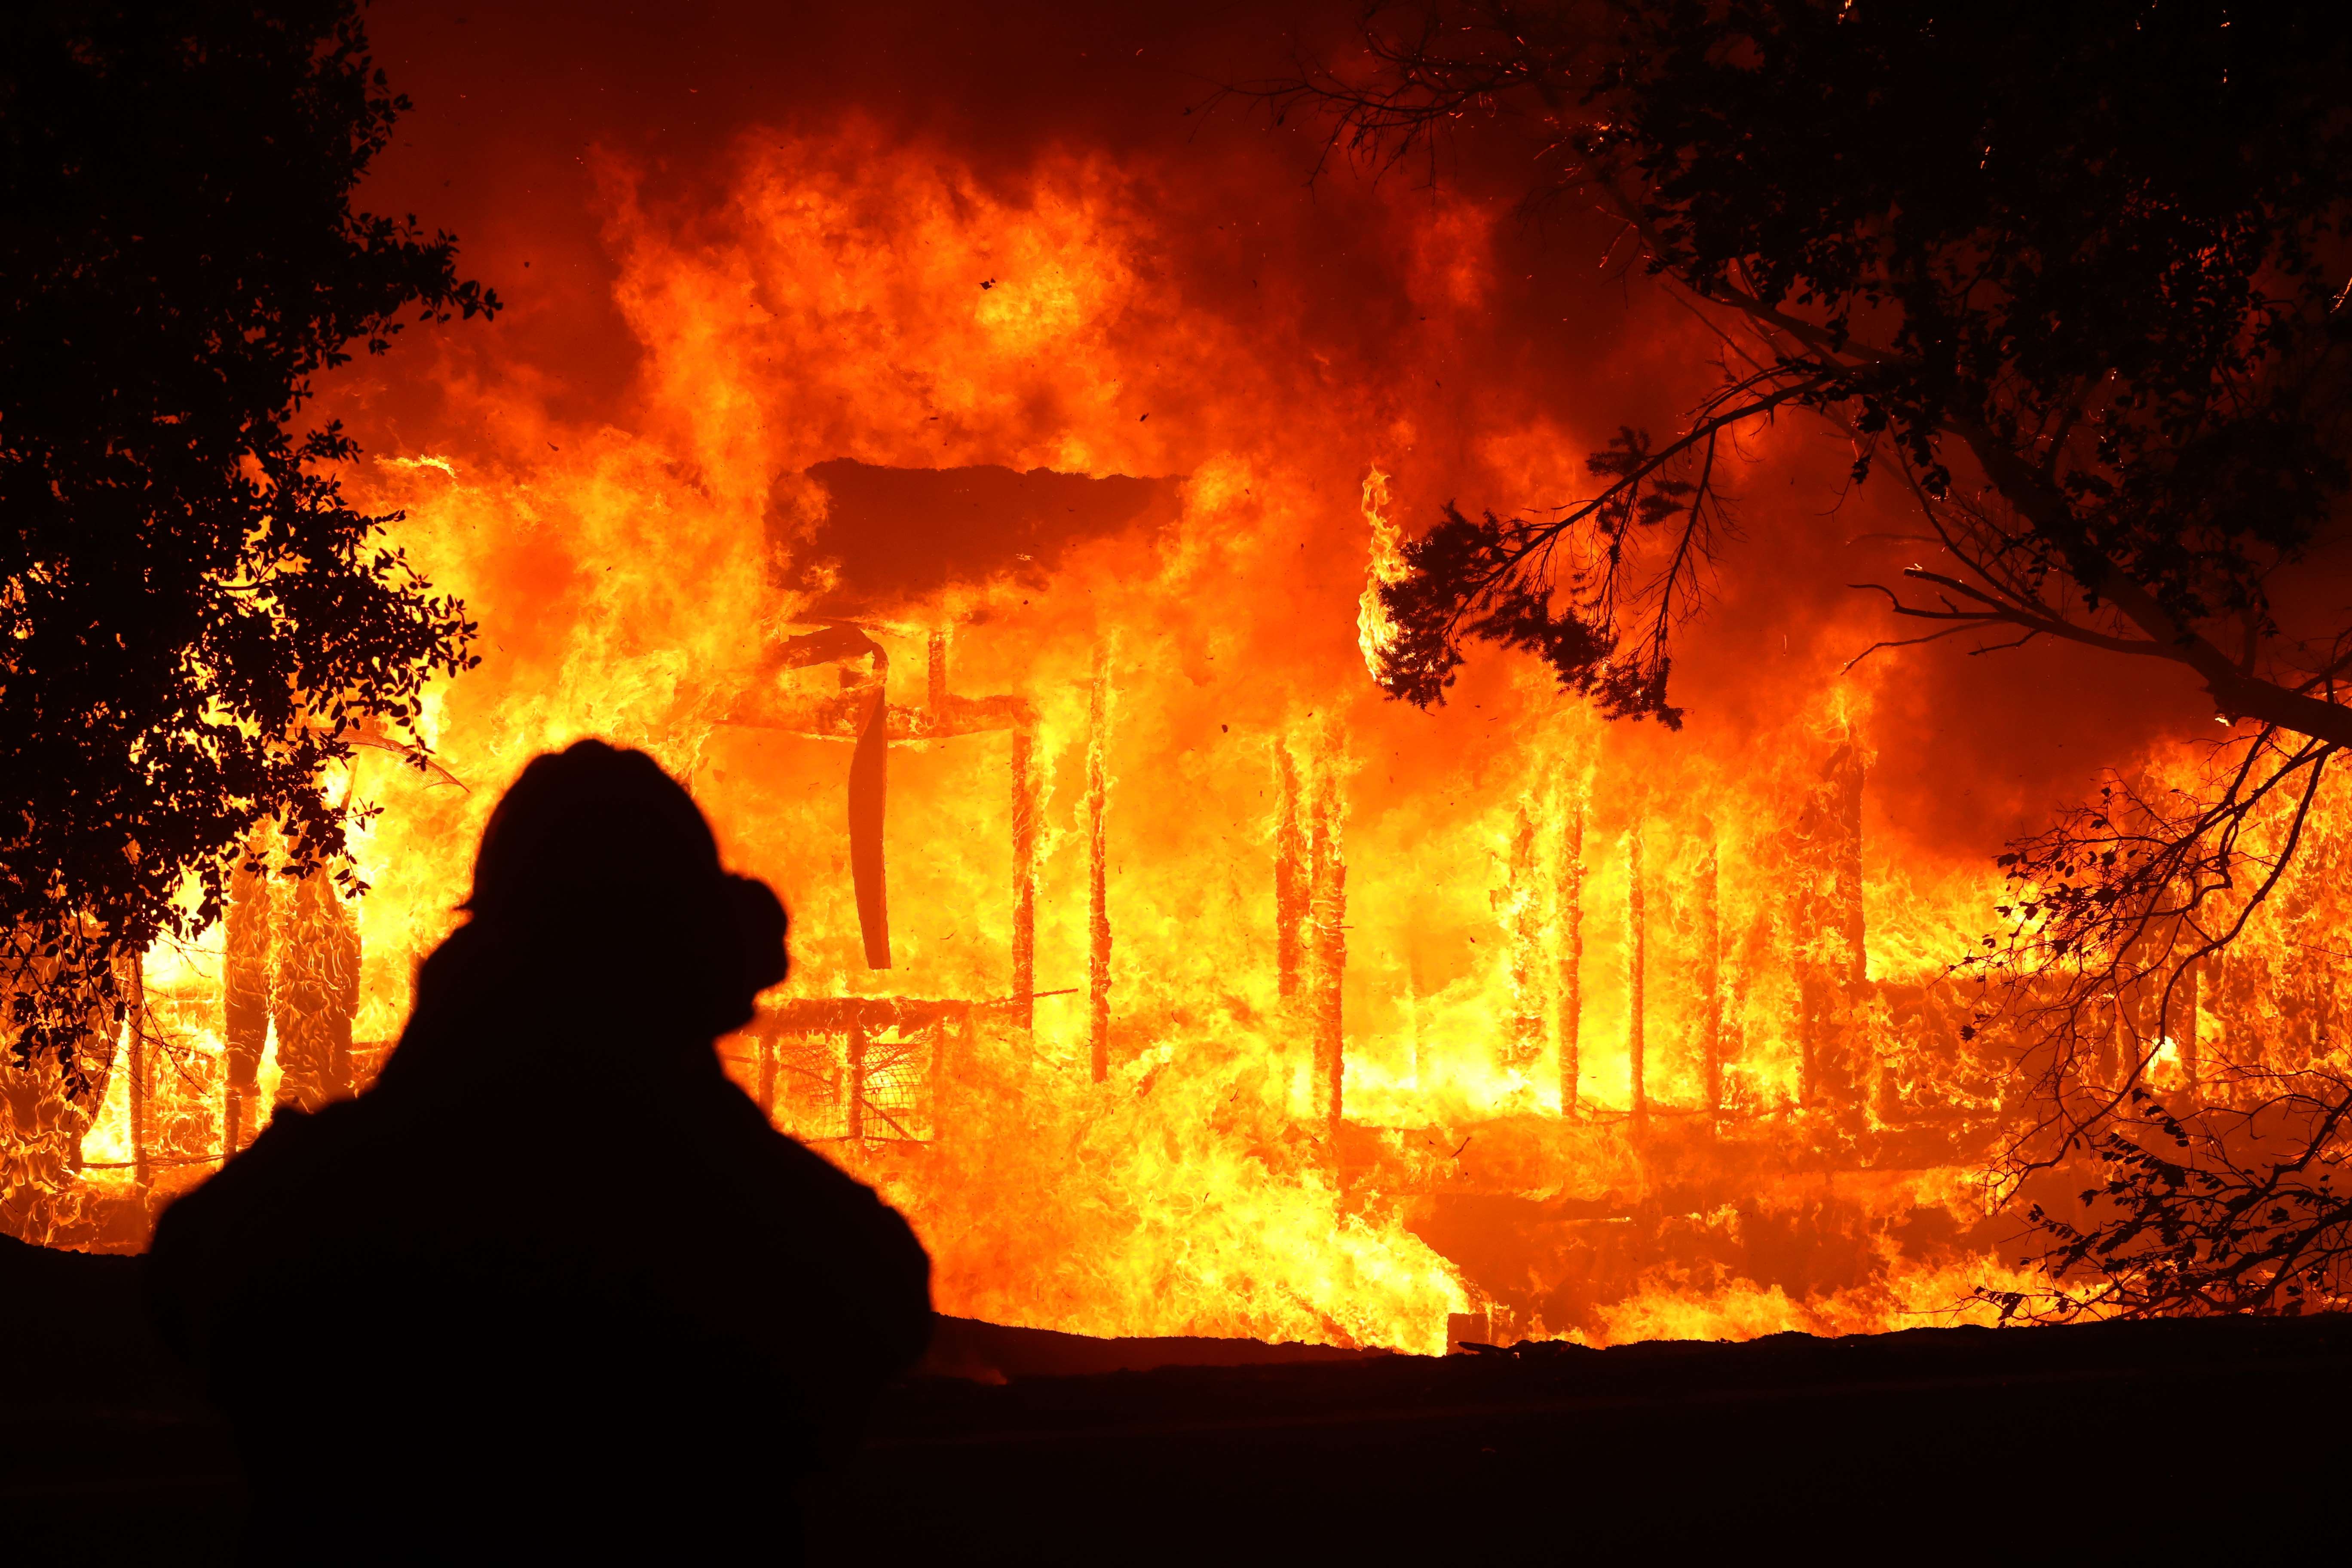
(843, 716)
(875, 1015)
(868, 796)
(1846, 775)
(854, 1097)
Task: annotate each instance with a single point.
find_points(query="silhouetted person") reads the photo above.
(553, 1289)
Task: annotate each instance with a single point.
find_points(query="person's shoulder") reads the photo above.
(299, 1136)
(291, 1161)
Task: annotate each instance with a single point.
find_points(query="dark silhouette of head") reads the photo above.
(599, 878)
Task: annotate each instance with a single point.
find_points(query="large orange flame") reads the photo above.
(1435, 914)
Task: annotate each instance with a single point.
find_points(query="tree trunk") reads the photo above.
(869, 787)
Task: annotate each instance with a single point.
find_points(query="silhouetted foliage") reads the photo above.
(2224, 1210)
(2115, 909)
(195, 622)
(1496, 580)
(2078, 271)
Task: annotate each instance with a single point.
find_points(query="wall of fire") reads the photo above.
(1686, 997)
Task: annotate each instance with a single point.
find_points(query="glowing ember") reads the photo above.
(1375, 631)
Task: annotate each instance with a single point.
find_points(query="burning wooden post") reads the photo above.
(1846, 772)
(1099, 867)
(767, 1076)
(245, 988)
(1637, 941)
(935, 689)
(869, 787)
(1326, 901)
(1290, 874)
(853, 1099)
(316, 993)
(1710, 976)
(1025, 877)
(1852, 1046)
(1827, 913)
(1524, 925)
(142, 1172)
(1574, 797)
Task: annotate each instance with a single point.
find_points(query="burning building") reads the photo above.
(984, 539)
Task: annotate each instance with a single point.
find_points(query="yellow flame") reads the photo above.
(1375, 629)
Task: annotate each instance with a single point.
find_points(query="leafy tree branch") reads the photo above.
(195, 625)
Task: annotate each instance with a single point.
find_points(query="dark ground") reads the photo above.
(1929, 1445)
